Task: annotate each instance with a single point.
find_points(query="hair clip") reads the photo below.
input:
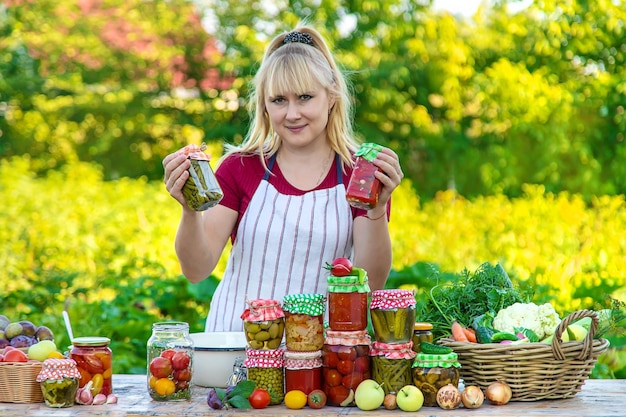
(298, 37)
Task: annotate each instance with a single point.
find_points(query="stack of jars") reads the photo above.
(304, 339)
(264, 327)
(346, 350)
(393, 319)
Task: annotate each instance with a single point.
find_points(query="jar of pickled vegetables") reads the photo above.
(391, 365)
(264, 324)
(422, 332)
(265, 368)
(93, 359)
(201, 190)
(170, 357)
(393, 315)
(363, 188)
(431, 372)
(345, 364)
(304, 321)
(303, 371)
(347, 302)
(58, 379)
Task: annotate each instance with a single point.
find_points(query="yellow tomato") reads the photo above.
(97, 381)
(56, 355)
(295, 399)
(153, 380)
(165, 386)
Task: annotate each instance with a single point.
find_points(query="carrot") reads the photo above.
(457, 332)
(470, 334)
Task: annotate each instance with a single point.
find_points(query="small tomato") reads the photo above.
(340, 267)
(180, 360)
(168, 353)
(316, 399)
(161, 367)
(260, 398)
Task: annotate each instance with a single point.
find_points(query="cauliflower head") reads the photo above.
(541, 319)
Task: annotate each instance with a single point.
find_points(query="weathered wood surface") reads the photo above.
(598, 398)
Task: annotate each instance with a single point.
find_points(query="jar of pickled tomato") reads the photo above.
(391, 365)
(345, 364)
(93, 359)
(303, 371)
(393, 315)
(363, 188)
(348, 302)
(304, 321)
(264, 324)
(266, 369)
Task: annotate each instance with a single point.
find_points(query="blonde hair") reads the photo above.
(294, 67)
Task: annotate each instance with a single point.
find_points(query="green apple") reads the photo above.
(409, 398)
(369, 395)
(41, 350)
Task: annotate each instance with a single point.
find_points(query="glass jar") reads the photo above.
(304, 321)
(58, 379)
(363, 188)
(422, 332)
(345, 364)
(391, 365)
(431, 372)
(94, 361)
(239, 372)
(201, 190)
(303, 371)
(264, 324)
(393, 315)
(265, 368)
(347, 302)
(170, 357)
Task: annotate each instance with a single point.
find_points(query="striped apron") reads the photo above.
(281, 247)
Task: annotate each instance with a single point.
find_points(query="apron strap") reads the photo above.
(270, 165)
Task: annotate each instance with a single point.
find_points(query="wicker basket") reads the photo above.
(18, 382)
(534, 371)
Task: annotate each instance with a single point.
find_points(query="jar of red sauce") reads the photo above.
(364, 187)
(345, 364)
(303, 371)
(93, 359)
(347, 302)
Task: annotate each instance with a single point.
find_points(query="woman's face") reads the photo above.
(300, 119)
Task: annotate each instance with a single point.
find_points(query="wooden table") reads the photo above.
(598, 398)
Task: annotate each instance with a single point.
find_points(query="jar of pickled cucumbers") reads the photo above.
(393, 315)
(422, 332)
(170, 358)
(265, 368)
(391, 365)
(264, 324)
(348, 301)
(363, 188)
(93, 359)
(431, 372)
(201, 190)
(304, 322)
(58, 379)
(303, 371)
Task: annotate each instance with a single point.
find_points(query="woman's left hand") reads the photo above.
(391, 175)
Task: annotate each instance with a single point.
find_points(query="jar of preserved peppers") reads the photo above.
(201, 190)
(422, 332)
(303, 371)
(264, 324)
(265, 368)
(304, 321)
(170, 357)
(345, 364)
(431, 372)
(94, 361)
(363, 188)
(393, 315)
(58, 379)
(391, 365)
(347, 301)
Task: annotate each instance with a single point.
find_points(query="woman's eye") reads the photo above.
(306, 97)
(278, 100)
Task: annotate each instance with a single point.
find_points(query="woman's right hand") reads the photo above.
(175, 166)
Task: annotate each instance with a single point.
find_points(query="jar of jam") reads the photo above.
(93, 359)
(201, 190)
(265, 368)
(347, 302)
(364, 187)
(391, 365)
(345, 364)
(422, 332)
(264, 324)
(303, 371)
(58, 379)
(393, 315)
(304, 321)
(431, 372)
(170, 357)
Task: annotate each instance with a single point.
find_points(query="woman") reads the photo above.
(284, 206)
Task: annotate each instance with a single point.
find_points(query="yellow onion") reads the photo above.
(448, 397)
(472, 397)
(499, 393)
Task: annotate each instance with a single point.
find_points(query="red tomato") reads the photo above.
(260, 398)
(330, 359)
(346, 353)
(362, 364)
(352, 381)
(15, 355)
(182, 375)
(338, 394)
(332, 378)
(180, 360)
(168, 353)
(345, 367)
(340, 267)
(161, 367)
(316, 399)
